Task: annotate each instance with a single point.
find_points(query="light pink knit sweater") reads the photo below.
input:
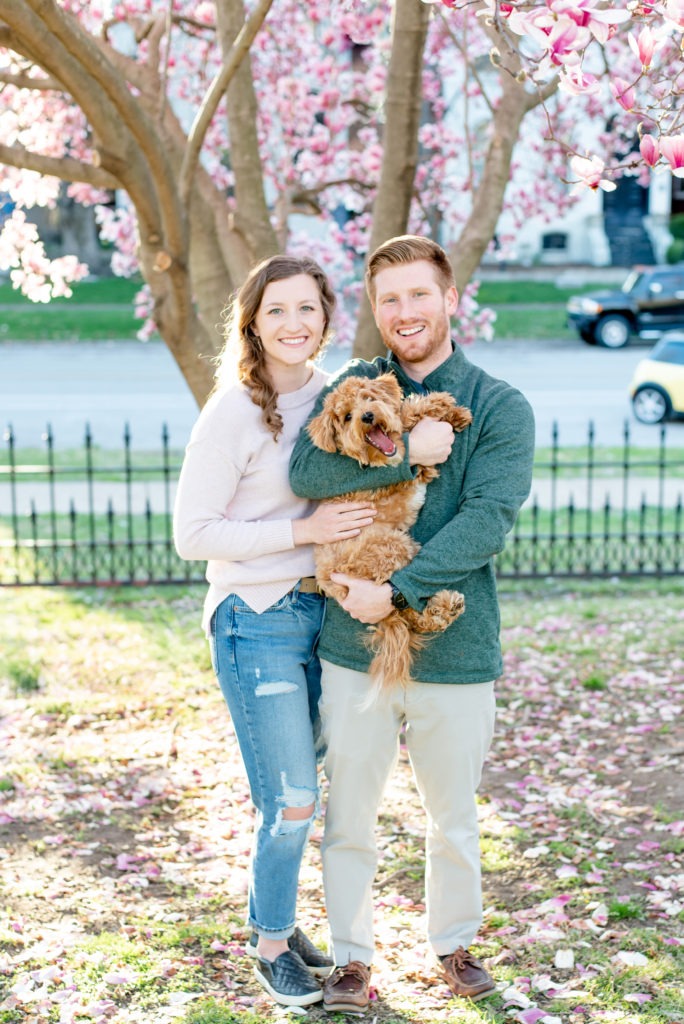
(234, 506)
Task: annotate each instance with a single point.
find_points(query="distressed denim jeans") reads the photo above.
(270, 677)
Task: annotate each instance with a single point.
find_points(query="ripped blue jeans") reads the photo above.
(270, 678)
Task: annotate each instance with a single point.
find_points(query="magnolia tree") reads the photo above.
(229, 130)
(579, 43)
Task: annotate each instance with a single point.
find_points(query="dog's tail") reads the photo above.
(393, 645)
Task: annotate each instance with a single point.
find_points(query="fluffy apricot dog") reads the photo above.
(365, 419)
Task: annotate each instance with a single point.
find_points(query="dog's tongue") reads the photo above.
(379, 439)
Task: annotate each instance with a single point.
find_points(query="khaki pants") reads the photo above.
(448, 732)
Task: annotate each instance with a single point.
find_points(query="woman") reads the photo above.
(263, 614)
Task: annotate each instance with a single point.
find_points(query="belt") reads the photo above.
(308, 585)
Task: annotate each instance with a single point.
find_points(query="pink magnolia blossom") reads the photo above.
(599, 21)
(648, 147)
(644, 45)
(562, 39)
(672, 148)
(589, 170)
(576, 82)
(623, 93)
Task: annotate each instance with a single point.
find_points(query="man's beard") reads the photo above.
(438, 330)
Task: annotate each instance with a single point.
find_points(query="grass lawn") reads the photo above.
(531, 323)
(104, 290)
(68, 323)
(63, 320)
(125, 820)
(516, 292)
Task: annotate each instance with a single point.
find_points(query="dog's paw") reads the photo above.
(442, 609)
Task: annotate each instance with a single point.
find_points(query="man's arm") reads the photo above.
(496, 483)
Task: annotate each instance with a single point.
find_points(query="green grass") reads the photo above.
(122, 290)
(21, 672)
(608, 462)
(66, 319)
(117, 546)
(105, 290)
(531, 324)
(513, 291)
(62, 320)
(64, 323)
(72, 464)
(124, 669)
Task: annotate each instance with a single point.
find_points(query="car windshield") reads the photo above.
(632, 281)
(669, 352)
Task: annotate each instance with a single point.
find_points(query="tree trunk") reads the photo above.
(403, 108)
(191, 258)
(252, 217)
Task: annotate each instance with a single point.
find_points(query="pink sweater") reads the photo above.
(234, 506)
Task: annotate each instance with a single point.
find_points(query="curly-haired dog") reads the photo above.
(365, 419)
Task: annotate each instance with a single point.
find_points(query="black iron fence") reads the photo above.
(101, 517)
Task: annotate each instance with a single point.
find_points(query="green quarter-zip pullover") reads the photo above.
(463, 524)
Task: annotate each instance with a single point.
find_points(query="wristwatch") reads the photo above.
(398, 600)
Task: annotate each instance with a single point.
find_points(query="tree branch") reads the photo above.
(463, 50)
(252, 215)
(400, 151)
(213, 95)
(65, 168)
(91, 61)
(25, 81)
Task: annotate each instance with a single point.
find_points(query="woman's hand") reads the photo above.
(331, 521)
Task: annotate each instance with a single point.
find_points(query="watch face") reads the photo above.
(398, 599)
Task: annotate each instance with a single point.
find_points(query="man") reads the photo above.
(448, 713)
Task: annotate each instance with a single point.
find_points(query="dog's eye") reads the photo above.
(348, 417)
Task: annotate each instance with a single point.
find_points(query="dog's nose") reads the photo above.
(367, 417)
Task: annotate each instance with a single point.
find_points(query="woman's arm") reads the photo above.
(207, 484)
(202, 531)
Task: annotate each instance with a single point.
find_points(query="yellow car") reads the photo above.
(657, 388)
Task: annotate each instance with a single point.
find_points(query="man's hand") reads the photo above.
(365, 601)
(430, 442)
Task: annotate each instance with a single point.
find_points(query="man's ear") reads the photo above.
(451, 299)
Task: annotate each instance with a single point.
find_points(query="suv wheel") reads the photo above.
(651, 404)
(613, 331)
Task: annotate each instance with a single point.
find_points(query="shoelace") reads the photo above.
(355, 970)
(460, 958)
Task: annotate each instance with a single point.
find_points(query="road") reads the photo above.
(108, 384)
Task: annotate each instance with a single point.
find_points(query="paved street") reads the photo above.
(107, 384)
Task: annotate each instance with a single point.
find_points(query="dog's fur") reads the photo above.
(365, 419)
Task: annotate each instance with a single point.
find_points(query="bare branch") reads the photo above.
(65, 168)
(463, 50)
(306, 195)
(25, 81)
(87, 62)
(168, 22)
(213, 95)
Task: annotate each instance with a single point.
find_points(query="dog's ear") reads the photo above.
(322, 429)
(390, 386)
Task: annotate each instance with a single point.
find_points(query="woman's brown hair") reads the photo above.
(241, 338)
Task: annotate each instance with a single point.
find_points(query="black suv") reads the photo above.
(650, 301)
